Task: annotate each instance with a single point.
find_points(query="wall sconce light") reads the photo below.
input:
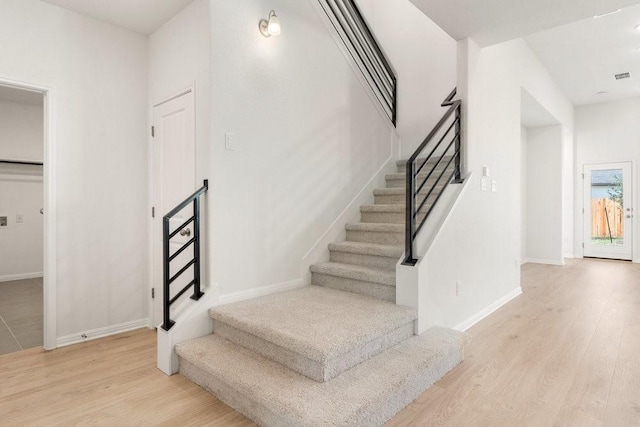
(271, 27)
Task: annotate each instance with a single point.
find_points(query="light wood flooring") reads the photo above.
(565, 353)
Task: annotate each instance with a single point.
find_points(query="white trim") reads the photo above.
(543, 261)
(22, 276)
(488, 310)
(93, 334)
(261, 291)
(190, 88)
(50, 208)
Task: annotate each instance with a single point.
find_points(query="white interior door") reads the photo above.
(608, 211)
(173, 181)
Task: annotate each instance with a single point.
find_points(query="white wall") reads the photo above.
(21, 190)
(480, 245)
(179, 56)
(424, 57)
(21, 131)
(98, 74)
(607, 133)
(523, 194)
(308, 139)
(544, 189)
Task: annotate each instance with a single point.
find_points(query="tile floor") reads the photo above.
(20, 315)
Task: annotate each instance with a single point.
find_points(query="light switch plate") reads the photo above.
(229, 141)
(483, 184)
(494, 186)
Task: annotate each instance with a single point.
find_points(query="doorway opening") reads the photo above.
(608, 211)
(22, 201)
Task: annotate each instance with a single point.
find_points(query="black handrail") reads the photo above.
(363, 46)
(167, 257)
(436, 164)
(21, 162)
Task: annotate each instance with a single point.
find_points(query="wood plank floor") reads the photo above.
(565, 353)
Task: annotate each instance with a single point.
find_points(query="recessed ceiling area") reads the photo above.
(584, 57)
(22, 96)
(489, 22)
(141, 16)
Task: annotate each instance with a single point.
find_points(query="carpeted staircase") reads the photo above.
(339, 353)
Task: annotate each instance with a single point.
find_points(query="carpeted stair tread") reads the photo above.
(317, 322)
(420, 177)
(391, 251)
(366, 395)
(375, 227)
(356, 272)
(419, 161)
(389, 208)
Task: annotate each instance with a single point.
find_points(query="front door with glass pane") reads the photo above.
(608, 211)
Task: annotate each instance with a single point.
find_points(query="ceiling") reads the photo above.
(583, 57)
(21, 96)
(489, 22)
(142, 16)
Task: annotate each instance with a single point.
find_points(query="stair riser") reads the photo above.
(403, 168)
(305, 366)
(386, 263)
(401, 183)
(389, 218)
(375, 290)
(375, 237)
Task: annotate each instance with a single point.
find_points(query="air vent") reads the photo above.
(623, 76)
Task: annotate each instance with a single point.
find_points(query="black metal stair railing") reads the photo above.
(428, 176)
(167, 257)
(362, 45)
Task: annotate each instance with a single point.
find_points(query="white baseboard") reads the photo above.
(23, 276)
(544, 261)
(101, 332)
(261, 291)
(488, 310)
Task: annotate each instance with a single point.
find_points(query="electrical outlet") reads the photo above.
(229, 141)
(19, 219)
(494, 186)
(483, 184)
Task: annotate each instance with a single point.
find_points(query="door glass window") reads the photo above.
(607, 207)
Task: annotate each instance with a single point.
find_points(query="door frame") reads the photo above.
(190, 88)
(49, 287)
(585, 199)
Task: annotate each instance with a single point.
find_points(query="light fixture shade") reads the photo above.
(274, 24)
(271, 27)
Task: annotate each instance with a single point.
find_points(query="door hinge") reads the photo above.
(582, 176)
(582, 244)
(153, 131)
(583, 210)
(153, 212)
(153, 293)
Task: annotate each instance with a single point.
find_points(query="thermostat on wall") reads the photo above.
(4, 222)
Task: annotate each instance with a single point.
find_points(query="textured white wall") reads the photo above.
(98, 72)
(308, 139)
(21, 190)
(523, 194)
(423, 55)
(480, 245)
(607, 133)
(544, 195)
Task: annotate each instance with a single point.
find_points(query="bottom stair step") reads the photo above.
(366, 395)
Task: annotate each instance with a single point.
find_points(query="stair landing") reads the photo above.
(366, 395)
(316, 331)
